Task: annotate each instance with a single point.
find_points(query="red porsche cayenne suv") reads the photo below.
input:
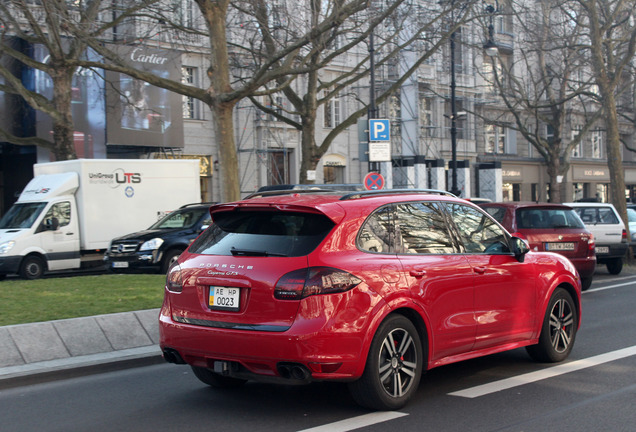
(369, 288)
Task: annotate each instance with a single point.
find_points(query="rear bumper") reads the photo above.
(615, 250)
(316, 347)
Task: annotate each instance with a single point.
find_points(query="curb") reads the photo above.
(51, 348)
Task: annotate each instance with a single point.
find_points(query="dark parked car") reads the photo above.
(368, 288)
(552, 228)
(159, 246)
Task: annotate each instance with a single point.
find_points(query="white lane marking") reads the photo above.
(357, 422)
(531, 377)
(608, 287)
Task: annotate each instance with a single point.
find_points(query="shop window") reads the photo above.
(333, 174)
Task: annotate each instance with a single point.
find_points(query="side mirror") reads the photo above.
(519, 248)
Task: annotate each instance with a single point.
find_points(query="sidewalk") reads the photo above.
(45, 348)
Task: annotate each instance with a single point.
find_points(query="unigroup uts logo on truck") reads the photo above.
(115, 179)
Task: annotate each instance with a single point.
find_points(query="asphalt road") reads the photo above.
(595, 390)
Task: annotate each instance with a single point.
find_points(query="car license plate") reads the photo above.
(224, 298)
(568, 246)
(120, 264)
(602, 249)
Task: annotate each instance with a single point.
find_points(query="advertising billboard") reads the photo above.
(141, 114)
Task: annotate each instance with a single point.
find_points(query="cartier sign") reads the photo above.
(137, 55)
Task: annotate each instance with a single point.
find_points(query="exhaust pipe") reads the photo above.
(172, 356)
(294, 371)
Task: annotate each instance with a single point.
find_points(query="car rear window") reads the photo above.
(538, 218)
(262, 233)
(597, 215)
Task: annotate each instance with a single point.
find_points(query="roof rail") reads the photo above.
(198, 204)
(294, 191)
(380, 192)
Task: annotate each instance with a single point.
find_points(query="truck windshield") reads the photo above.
(21, 215)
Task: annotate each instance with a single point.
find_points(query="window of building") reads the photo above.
(189, 75)
(577, 151)
(332, 111)
(279, 167)
(185, 12)
(597, 144)
(500, 139)
(426, 117)
(334, 174)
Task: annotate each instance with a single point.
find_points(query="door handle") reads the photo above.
(417, 273)
(480, 269)
(69, 233)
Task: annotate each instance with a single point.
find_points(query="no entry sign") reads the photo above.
(374, 181)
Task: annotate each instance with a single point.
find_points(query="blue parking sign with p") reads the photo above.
(379, 130)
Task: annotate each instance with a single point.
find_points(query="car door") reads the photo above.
(59, 235)
(440, 279)
(505, 294)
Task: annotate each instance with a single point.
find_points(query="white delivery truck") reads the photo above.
(67, 215)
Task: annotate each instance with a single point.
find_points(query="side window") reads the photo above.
(61, 211)
(478, 232)
(497, 213)
(376, 232)
(607, 216)
(421, 228)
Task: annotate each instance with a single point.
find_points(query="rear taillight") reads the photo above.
(591, 245)
(302, 283)
(624, 236)
(174, 281)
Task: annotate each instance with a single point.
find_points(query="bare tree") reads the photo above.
(546, 87)
(612, 44)
(404, 24)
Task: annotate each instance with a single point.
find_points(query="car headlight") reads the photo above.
(151, 244)
(6, 247)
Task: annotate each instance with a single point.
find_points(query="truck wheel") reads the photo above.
(169, 258)
(32, 267)
(614, 266)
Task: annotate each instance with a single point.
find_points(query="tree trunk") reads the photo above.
(309, 158)
(63, 128)
(228, 158)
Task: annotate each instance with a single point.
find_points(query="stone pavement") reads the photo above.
(28, 350)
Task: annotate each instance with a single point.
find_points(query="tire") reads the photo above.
(215, 380)
(558, 331)
(586, 283)
(32, 267)
(394, 366)
(168, 259)
(614, 266)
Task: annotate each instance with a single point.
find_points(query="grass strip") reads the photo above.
(23, 301)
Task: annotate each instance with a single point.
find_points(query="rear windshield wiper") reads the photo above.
(250, 252)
